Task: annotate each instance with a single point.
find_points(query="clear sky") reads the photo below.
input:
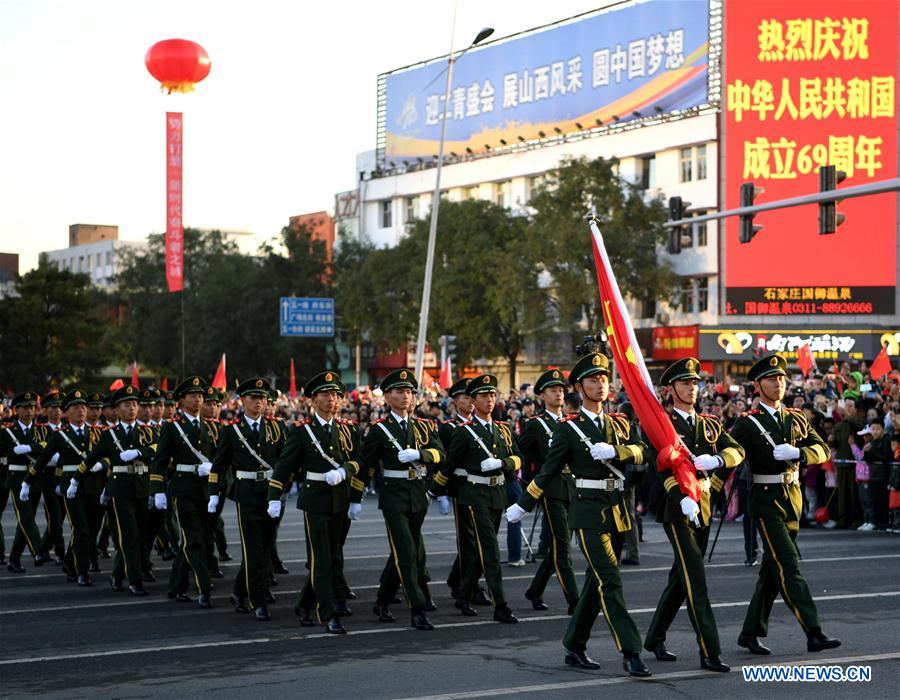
(272, 132)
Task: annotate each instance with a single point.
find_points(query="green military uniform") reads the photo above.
(597, 512)
(776, 503)
(403, 500)
(92, 484)
(700, 435)
(249, 449)
(482, 495)
(32, 439)
(215, 536)
(181, 466)
(534, 442)
(46, 485)
(72, 445)
(324, 456)
(156, 517)
(128, 487)
(465, 535)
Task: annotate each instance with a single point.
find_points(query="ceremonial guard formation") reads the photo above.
(155, 469)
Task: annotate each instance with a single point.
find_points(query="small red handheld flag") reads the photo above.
(218, 381)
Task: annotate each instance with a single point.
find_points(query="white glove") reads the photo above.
(490, 464)
(786, 452)
(430, 497)
(515, 513)
(54, 460)
(58, 490)
(24, 491)
(159, 500)
(129, 455)
(22, 449)
(691, 510)
(408, 455)
(602, 450)
(335, 476)
(706, 462)
(98, 467)
(72, 490)
(355, 511)
(274, 509)
(443, 505)
(104, 499)
(213, 504)
(204, 468)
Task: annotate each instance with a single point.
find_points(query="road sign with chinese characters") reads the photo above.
(304, 317)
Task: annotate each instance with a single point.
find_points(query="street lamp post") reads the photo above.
(435, 205)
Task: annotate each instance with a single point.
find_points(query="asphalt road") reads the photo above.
(58, 641)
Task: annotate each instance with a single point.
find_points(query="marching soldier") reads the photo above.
(68, 445)
(271, 414)
(51, 403)
(402, 444)
(170, 405)
(125, 450)
(601, 451)
(322, 452)
(465, 535)
(778, 442)
(249, 447)
(686, 522)
(534, 443)
(94, 481)
(148, 399)
(182, 462)
(215, 526)
(485, 449)
(21, 443)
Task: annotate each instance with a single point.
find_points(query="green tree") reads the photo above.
(54, 330)
(631, 224)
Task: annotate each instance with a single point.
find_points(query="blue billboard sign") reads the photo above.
(305, 317)
(646, 58)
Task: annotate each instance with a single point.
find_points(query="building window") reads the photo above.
(687, 161)
(648, 172)
(502, 196)
(108, 258)
(701, 162)
(648, 308)
(686, 295)
(702, 294)
(700, 232)
(99, 261)
(411, 209)
(472, 192)
(534, 184)
(386, 211)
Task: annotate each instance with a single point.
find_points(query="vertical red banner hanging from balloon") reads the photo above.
(174, 230)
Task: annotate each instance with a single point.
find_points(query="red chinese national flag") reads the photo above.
(135, 379)
(446, 378)
(218, 381)
(116, 385)
(805, 359)
(882, 364)
(654, 420)
(292, 391)
(174, 230)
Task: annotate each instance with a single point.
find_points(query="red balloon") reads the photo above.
(178, 64)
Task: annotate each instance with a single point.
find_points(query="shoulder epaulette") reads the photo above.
(569, 417)
(752, 412)
(303, 421)
(233, 422)
(348, 421)
(381, 420)
(468, 422)
(710, 416)
(616, 415)
(794, 410)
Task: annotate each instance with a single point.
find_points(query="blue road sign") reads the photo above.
(303, 317)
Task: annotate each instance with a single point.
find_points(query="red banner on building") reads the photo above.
(174, 230)
(676, 342)
(811, 84)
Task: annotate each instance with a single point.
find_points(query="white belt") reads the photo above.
(261, 475)
(705, 484)
(460, 472)
(410, 474)
(188, 468)
(791, 477)
(69, 468)
(486, 480)
(600, 484)
(314, 476)
(130, 469)
(18, 467)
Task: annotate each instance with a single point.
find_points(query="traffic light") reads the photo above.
(677, 207)
(829, 218)
(747, 229)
